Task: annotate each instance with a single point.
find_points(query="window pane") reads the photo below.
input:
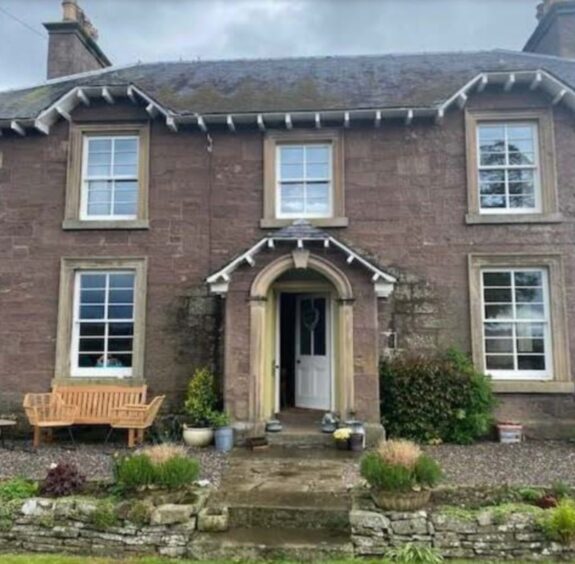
(530, 329)
(492, 188)
(125, 208)
(93, 280)
(126, 145)
(521, 188)
(120, 360)
(121, 296)
(503, 362)
(120, 329)
(521, 175)
(98, 170)
(120, 312)
(99, 159)
(96, 145)
(520, 146)
(497, 278)
(492, 159)
(528, 295)
(530, 345)
(292, 198)
(492, 201)
(291, 154)
(521, 202)
(125, 170)
(319, 334)
(498, 312)
(121, 280)
(317, 154)
(528, 278)
(499, 345)
(521, 158)
(92, 312)
(91, 345)
(314, 170)
(498, 330)
(92, 329)
(92, 296)
(99, 209)
(497, 295)
(530, 311)
(120, 345)
(492, 175)
(126, 191)
(516, 132)
(531, 362)
(491, 133)
(89, 360)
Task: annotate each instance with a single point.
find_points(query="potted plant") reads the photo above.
(341, 437)
(224, 434)
(200, 408)
(509, 432)
(400, 475)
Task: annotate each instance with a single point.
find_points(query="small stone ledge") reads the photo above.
(488, 533)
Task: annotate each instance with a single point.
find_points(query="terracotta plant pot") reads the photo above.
(401, 501)
(198, 436)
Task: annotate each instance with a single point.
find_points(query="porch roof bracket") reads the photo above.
(219, 281)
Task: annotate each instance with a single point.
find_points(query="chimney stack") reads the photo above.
(72, 46)
(555, 32)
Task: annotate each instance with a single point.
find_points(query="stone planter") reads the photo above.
(400, 501)
(213, 519)
(198, 436)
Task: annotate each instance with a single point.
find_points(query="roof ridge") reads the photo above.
(536, 55)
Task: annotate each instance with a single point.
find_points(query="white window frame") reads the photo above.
(536, 167)
(108, 372)
(84, 215)
(517, 374)
(304, 181)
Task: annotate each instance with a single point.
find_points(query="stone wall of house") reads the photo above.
(405, 197)
(486, 535)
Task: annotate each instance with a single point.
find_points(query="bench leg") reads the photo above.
(49, 435)
(37, 436)
(131, 438)
(141, 436)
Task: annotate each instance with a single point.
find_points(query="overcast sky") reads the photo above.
(152, 30)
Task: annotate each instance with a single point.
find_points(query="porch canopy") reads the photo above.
(304, 237)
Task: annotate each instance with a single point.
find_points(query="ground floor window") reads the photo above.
(516, 322)
(103, 334)
(101, 322)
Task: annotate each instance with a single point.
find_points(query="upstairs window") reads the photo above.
(508, 159)
(110, 178)
(304, 181)
(108, 172)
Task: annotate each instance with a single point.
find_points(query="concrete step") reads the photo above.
(287, 510)
(249, 544)
(301, 438)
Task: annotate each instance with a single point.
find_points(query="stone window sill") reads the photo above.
(85, 381)
(475, 218)
(76, 224)
(272, 223)
(532, 387)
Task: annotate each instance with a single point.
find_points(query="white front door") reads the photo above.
(313, 370)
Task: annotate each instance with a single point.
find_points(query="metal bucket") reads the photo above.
(224, 439)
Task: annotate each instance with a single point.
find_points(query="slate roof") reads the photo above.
(295, 84)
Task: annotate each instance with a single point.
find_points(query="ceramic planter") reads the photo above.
(198, 436)
(356, 442)
(401, 501)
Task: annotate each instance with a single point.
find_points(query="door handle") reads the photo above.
(298, 361)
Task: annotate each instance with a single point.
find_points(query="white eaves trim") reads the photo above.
(558, 92)
(219, 281)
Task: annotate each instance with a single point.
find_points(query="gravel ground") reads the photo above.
(94, 460)
(538, 463)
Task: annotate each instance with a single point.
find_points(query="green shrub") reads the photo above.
(17, 488)
(104, 516)
(397, 478)
(63, 479)
(433, 397)
(413, 554)
(201, 399)
(134, 471)
(560, 489)
(176, 472)
(530, 495)
(559, 523)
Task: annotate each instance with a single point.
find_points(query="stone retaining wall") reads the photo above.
(489, 533)
(79, 526)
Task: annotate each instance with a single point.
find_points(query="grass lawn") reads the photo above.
(59, 559)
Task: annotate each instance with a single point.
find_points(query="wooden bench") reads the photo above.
(122, 407)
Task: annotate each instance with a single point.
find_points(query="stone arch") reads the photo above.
(275, 269)
(343, 340)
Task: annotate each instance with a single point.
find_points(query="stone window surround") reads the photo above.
(74, 176)
(548, 181)
(68, 268)
(561, 381)
(275, 138)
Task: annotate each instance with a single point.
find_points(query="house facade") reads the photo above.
(288, 222)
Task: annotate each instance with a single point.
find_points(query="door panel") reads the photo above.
(313, 374)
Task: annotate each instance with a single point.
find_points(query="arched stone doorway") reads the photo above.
(333, 291)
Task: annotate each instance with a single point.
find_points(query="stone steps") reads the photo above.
(300, 438)
(298, 545)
